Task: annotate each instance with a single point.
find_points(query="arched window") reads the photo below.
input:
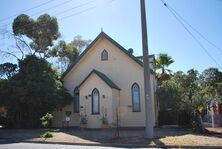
(95, 101)
(76, 100)
(104, 55)
(135, 97)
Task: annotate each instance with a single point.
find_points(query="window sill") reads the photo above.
(95, 113)
(136, 111)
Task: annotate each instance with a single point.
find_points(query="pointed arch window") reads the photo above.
(135, 89)
(76, 100)
(95, 101)
(104, 55)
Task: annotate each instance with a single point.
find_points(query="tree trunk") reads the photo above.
(199, 124)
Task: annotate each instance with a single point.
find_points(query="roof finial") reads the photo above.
(101, 29)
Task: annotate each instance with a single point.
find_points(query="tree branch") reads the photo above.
(8, 53)
(17, 45)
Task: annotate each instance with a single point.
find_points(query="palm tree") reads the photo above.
(163, 61)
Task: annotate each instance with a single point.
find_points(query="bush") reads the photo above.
(33, 91)
(47, 134)
(46, 119)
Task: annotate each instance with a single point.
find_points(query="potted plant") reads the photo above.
(83, 121)
(104, 121)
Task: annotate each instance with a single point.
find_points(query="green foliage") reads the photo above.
(164, 61)
(32, 92)
(42, 32)
(211, 81)
(47, 134)
(104, 119)
(46, 119)
(67, 53)
(62, 49)
(7, 70)
(79, 43)
(190, 92)
(180, 91)
(169, 96)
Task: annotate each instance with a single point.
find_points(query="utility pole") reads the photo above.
(146, 68)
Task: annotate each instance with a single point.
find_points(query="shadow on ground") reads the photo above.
(128, 137)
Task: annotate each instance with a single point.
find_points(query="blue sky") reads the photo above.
(120, 19)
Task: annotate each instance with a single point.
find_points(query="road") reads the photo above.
(13, 145)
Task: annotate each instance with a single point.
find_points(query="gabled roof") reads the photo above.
(107, 80)
(102, 34)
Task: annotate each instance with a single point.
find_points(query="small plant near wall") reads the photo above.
(83, 120)
(46, 120)
(104, 119)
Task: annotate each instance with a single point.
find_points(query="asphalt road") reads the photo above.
(13, 145)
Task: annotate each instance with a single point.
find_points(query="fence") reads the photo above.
(207, 119)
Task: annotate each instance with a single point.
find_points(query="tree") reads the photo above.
(79, 43)
(42, 32)
(188, 92)
(169, 96)
(163, 61)
(189, 86)
(66, 53)
(211, 83)
(35, 90)
(7, 70)
(179, 91)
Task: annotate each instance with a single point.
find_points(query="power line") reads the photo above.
(58, 5)
(6, 18)
(74, 14)
(198, 32)
(46, 24)
(81, 5)
(78, 6)
(198, 42)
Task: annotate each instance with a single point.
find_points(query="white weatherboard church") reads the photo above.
(106, 79)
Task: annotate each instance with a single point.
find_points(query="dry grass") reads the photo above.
(163, 137)
(191, 140)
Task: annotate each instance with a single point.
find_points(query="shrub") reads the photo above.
(46, 119)
(104, 119)
(83, 118)
(47, 134)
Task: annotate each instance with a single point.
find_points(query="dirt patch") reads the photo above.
(216, 130)
(172, 137)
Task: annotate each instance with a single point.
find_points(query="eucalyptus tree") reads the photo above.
(40, 32)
